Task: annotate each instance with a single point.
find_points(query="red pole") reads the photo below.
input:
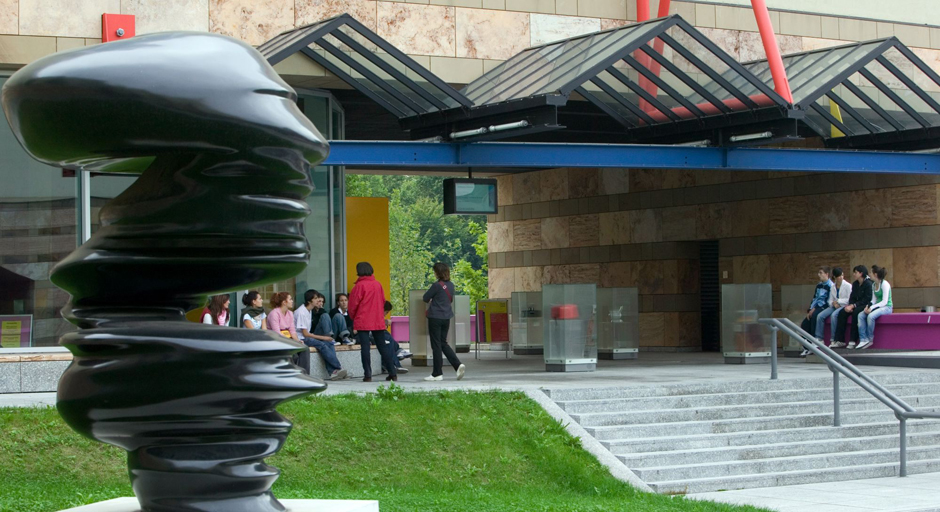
(777, 71)
(643, 14)
(663, 9)
(642, 10)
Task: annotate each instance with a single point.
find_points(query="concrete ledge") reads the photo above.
(131, 505)
(37, 370)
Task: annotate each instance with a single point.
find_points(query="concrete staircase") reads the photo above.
(736, 435)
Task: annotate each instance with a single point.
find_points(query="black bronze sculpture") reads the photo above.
(224, 155)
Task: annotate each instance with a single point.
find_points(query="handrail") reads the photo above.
(839, 365)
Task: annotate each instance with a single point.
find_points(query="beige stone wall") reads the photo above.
(457, 39)
(638, 227)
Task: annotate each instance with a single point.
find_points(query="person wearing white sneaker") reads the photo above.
(440, 296)
(859, 299)
(881, 305)
(838, 298)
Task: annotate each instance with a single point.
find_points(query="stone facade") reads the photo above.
(640, 227)
(456, 39)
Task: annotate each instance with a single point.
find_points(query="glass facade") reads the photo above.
(45, 213)
(37, 230)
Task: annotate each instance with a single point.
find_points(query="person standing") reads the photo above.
(366, 302)
(440, 296)
(881, 304)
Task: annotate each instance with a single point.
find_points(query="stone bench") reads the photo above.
(37, 370)
(902, 331)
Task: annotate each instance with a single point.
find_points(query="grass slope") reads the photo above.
(444, 451)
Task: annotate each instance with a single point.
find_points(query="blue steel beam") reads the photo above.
(458, 157)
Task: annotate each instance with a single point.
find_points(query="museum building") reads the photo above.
(565, 71)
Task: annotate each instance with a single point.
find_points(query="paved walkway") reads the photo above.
(920, 493)
(526, 373)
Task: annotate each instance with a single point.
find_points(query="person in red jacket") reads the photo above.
(367, 310)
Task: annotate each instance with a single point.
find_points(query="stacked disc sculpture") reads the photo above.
(223, 155)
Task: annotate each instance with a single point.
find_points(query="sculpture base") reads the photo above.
(131, 505)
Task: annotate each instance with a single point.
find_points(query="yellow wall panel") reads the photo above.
(367, 238)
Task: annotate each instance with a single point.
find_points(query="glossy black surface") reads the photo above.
(225, 156)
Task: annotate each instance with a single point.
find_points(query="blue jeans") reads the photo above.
(327, 352)
(384, 350)
(324, 327)
(394, 348)
(339, 326)
(866, 322)
(821, 322)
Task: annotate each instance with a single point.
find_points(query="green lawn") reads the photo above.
(444, 451)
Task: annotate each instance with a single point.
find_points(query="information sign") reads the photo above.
(16, 331)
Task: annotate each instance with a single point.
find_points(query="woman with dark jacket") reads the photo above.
(367, 310)
(440, 310)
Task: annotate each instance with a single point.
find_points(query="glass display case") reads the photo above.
(492, 326)
(420, 343)
(794, 300)
(526, 318)
(618, 318)
(570, 333)
(743, 340)
(459, 334)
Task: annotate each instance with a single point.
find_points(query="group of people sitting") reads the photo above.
(363, 314)
(858, 304)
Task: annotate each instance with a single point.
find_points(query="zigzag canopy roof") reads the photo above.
(868, 94)
(660, 72)
(368, 63)
(661, 80)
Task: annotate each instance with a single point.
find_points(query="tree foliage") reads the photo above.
(420, 235)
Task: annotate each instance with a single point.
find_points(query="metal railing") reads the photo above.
(838, 365)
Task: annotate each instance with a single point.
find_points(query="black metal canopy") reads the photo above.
(660, 81)
(661, 78)
(874, 94)
(368, 63)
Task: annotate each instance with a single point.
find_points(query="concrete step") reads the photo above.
(720, 387)
(719, 399)
(744, 411)
(781, 478)
(783, 464)
(782, 449)
(606, 433)
(741, 439)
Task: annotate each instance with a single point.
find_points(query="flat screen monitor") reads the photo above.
(469, 196)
